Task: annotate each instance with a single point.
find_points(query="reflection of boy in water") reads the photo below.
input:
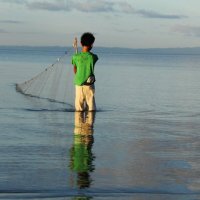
(81, 152)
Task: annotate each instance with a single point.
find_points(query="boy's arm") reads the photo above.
(75, 45)
(75, 69)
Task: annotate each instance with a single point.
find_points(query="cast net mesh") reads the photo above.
(55, 83)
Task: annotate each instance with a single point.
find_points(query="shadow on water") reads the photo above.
(42, 104)
(50, 110)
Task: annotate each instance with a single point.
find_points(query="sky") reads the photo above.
(115, 23)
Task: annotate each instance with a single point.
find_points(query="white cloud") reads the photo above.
(187, 30)
(82, 6)
(153, 14)
(92, 6)
(14, 1)
(126, 7)
(50, 6)
(3, 31)
(7, 21)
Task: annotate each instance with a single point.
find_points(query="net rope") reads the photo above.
(55, 83)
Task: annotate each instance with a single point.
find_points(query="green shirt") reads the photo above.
(84, 63)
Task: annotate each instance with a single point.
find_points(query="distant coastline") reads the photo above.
(110, 50)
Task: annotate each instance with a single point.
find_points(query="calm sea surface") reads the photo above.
(143, 143)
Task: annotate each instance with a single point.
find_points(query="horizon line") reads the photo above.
(114, 47)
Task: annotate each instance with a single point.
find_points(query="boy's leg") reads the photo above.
(79, 98)
(89, 96)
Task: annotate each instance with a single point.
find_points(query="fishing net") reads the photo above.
(55, 83)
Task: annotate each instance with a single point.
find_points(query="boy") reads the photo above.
(84, 63)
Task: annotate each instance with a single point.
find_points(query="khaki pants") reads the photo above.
(84, 98)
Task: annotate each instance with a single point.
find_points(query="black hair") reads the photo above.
(87, 39)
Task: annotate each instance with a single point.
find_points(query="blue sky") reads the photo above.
(115, 23)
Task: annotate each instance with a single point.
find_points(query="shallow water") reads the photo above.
(143, 143)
